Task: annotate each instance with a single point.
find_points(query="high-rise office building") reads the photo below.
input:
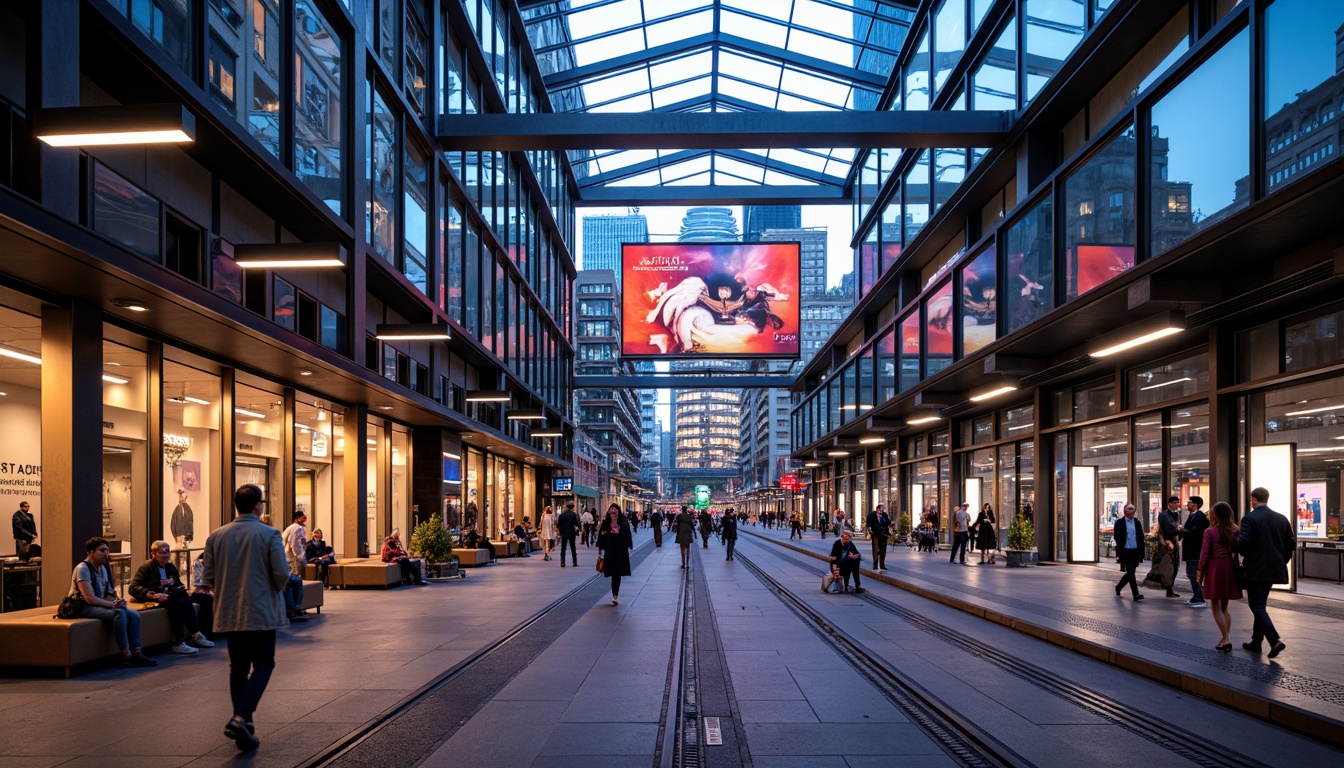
(602, 238)
(756, 219)
(609, 415)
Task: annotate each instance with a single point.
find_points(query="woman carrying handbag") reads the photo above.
(986, 534)
(614, 542)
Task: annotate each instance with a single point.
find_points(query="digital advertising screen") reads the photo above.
(1092, 265)
(562, 485)
(725, 300)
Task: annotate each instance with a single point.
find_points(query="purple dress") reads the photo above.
(1215, 562)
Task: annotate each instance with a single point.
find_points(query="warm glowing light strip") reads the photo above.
(173, 136)
(1006, 388)
(1137, 341)
(245, 412)
(17, 355)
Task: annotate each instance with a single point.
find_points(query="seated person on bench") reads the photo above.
(158, 581)
(394, 552)
(92, 584)
(474, 540)
(320, 555)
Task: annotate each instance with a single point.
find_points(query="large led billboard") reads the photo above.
(731, 300)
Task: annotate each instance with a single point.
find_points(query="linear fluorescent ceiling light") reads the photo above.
(130, 304)
(1002, 388)
(1140, 333)
(252, 414)
(1164, 384)
(112, 378)
(872, 440)
(17, 355)
(547, 433)
(915, 419)
(488, 396)
(120, 124)
(837, 452)
(526, 414)
(288, 255)
(412, 332)
(1290, 413)
(811, 464)
(195, 400)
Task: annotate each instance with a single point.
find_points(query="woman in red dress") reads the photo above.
(1215, 569)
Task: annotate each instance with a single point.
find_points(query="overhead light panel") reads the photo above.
(114, 125)
(837, 452)
(526, 414)
(250, 414)
(17, 355)
(131, 304)
(288, 255)
(916, 419)
(195, 400)
(112, 378)
(412, 332)
(547, 433)
(811, 464)
(994, 390)
(872, 440)
(1157, 327)
(488, 396)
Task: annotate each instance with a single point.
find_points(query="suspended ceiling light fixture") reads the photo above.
(112, 378)
(17, 355)
(250, 414)
(288, 255)
(113, 125)
(488, 396)
(548, 432)
(526, 414)
(131, 304)
(925, 417)
(412, 332)
(872, 440)
(1151, 329)
(994, 390)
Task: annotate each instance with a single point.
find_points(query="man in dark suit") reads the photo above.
(1169, 525)
(1265, 543)
(656, 523)
(1128, 538)
(879, 528)
(568, 526)
(1192, 536)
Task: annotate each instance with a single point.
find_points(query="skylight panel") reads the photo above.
(749, 69)
(602, 19)
(764, 32)
(800, 159)
(820, 88)
(603, 48)
(819, 47)
(618, 160)
(630, 81)
(637, 103)
(831, 18)
(725, 179)
(791, 103)
(681, 68)
(700, 87)
(698, 180)
(746, 171)
(681, 28)
(657, 9)
(780, 10)
(747, 92)
(780, 179)
(650, 179)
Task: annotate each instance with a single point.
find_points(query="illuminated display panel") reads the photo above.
(710, 300)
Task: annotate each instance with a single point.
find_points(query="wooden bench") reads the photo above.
(313, 595)
(505, 548)
(370, 574)
(472, 558)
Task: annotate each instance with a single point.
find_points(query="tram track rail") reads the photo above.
(360, 747)
(1196, 748)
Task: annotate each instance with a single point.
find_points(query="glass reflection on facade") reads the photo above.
(979, 301)
(1029, 284)
(381, 175)
(1304, 87)
(1054, 28)
(939, 314)
(318, 105)
(1199, 176)
(1099, 216)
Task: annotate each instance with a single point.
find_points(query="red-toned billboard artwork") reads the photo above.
(727, 300)
(1095, 264)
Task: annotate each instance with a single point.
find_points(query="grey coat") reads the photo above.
(245, 564)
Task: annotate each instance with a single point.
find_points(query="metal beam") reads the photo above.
(622, 197)
(719, 380)
(718, 130)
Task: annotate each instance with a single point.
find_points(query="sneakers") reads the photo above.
(138, 659)
(199, 640)
(241, 733)
(1196, 603)
(184, 649)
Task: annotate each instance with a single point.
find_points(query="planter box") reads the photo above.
(444, 570)
(1020, 558)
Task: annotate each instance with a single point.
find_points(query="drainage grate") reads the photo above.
(713, 733)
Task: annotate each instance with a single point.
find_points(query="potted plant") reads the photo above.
(432, 541)
(903, 528)
(1021, 549)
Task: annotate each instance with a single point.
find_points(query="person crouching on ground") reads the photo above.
(157, 581)
(846, 556)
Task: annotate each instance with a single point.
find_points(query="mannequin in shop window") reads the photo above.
(183, 527)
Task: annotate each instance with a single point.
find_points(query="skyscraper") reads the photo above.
(758, 218)
(602, 238)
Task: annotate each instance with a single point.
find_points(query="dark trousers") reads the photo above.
(849, 568)
(182, 614)
(615, 586)
(1257, 595)
(251, 661)
(657, 535)
(1192, 573)
(573, 551)
(704, 535)
(730, 544)
(323, 569)
(795, 530)
(959, 540)
(1129, 578)
(206, 620)
(879, 551)
(410, 570)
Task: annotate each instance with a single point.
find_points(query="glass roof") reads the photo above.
(715, 56)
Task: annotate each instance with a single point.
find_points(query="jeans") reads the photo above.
(294, 593)
(573, 552)
(125, 624)
(1192, 573)
(251, 661)
(1257, 595)
(879, 551)
(730, 544)
(959, 540)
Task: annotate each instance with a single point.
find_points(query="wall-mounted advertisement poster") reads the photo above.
(1310, 509)
(688, 300)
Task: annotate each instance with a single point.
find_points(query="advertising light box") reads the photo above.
(724, 300)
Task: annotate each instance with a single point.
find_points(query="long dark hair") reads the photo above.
(1220, 517)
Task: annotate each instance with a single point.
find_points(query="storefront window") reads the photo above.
(401, 480)
(318, 466)
(1168, 381)
(1093, 401)
(1198, 177)
(375, 514)
(258, 423)
(1106, 447)
(191, 490)
(1150, 478)
(1031, 266)
(977, 480)
(319, 100)
(1099, 216)
(1314, 342)
(1311, 417)
(979, 302)
(1301, 54)
(1188, 436)
(21, 418)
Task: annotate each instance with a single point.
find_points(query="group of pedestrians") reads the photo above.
(1222, 559)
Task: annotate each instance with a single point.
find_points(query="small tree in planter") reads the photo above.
(1021, 542)
(903, 527)
(434, 543)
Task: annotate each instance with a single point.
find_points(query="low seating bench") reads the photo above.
(505, 548)
(472, 558)
(364, 573)
(36, 638)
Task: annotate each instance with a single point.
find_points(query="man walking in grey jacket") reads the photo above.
(246, 567)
